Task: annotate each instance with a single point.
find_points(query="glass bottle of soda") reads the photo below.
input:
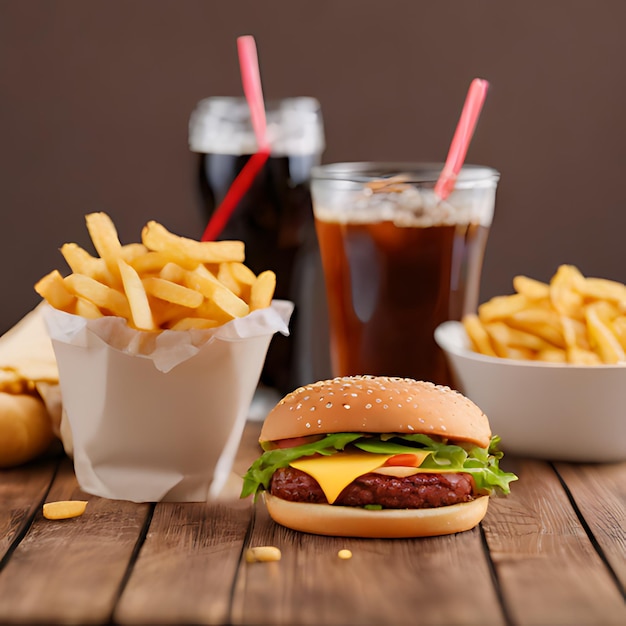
(274, 219)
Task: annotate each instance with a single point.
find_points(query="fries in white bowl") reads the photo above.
(546, 365)
(571, 319)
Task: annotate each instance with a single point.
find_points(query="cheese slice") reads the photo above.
(335, 472)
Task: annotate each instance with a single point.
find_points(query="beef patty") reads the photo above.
(419, 491)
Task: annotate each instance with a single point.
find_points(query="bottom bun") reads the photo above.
(347, 521)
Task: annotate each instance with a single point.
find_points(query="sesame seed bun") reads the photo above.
(376, 404)
(347, 521)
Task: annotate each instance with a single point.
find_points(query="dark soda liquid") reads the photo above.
(275, 221)
(389, 287)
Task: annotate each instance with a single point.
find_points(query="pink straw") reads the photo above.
(251, 79)
(462, 137)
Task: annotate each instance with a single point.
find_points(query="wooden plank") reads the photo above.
(599, 492)
(438, 580)
(547, 567)
(22, 491)
(186, 568)
(69, 571)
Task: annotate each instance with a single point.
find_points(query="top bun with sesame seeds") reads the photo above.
(376, 404)
(371, 456)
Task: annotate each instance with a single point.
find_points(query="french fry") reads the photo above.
(156, 237)
(218, 297)
(245, 277)
(225, 276)
(64, 509)
(81, 262)
(542, 322)
(564, 294)
(172, 292)
(605, 343)
(502, 306)
(166, 313)
(153, 262)
(603, 289)
(618, 326)
(531, 288)
(188, 323)
(132, 251)
(223, 305)
(478, 335)
(86, 308)
(571, 319)
(242, 273)
(163, 282)
(140, 312)
(512, 337)
(552, 355)
(105, 240)
(174, 273)
(262, 290)
(103, 296)
(580, 356)
(53, 289)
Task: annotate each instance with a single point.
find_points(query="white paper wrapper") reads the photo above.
(159, 416)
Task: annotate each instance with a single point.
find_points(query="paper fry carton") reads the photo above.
(158, 416)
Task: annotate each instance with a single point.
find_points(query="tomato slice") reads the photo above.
(405, 460)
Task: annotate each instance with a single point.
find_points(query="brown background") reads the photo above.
(95, 99)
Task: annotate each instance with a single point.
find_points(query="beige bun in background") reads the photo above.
(376, 404)
(25, 428)
(346, 521)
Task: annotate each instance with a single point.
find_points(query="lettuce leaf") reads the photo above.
(481, 463)
(260, 472)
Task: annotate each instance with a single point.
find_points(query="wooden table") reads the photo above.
(553, 552)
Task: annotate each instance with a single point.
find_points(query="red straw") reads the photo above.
(237, 190)
(462, 137)
(250, 76)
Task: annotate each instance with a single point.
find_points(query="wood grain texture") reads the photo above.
(69, 571)
(22, 491)
(185, 570)
(546, 564)
(399, 581)
(550, 553)
(599, 492)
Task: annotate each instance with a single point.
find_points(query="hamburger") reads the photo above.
(372, 456)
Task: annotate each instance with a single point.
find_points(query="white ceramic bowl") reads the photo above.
(544, 410)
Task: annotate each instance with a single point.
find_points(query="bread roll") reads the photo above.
(25, 428)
